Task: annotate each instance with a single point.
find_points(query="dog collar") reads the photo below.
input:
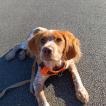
(48, 71)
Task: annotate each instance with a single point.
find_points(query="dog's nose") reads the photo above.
(46, 50)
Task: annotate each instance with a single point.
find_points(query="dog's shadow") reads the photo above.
(15, 71)
(12, 72)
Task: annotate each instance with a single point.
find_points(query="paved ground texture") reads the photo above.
(85, 18)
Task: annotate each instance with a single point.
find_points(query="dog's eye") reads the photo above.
(43, 40)
(58, 40)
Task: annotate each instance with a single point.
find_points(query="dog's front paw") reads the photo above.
(82, 95)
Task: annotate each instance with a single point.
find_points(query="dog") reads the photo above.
(55, 51)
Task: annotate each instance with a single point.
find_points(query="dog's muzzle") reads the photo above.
(47, 53)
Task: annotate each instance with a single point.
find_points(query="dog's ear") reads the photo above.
(33, 40)
(32, 45)
(35, 31)
(72, 47)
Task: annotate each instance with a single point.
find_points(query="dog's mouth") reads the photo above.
(47, 57)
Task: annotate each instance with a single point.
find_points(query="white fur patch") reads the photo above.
(51, 30)
(50, 43)
(38, 28)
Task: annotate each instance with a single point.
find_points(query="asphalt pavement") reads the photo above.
(85, 18)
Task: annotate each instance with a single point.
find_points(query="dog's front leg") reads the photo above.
(81, 92)
(38, 85)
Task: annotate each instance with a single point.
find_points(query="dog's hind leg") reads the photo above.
(12, 53)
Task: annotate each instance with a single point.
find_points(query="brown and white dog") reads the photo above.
(55, 49)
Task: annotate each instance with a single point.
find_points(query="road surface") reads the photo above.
(85, 18)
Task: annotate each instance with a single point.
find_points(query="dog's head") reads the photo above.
(54, 45)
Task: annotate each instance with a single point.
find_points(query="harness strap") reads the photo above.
(13, 86)
(32, 76)
(48, 71)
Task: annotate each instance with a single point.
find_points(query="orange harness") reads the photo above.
(48, 71)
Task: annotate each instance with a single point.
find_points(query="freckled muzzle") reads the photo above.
(51, 51)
